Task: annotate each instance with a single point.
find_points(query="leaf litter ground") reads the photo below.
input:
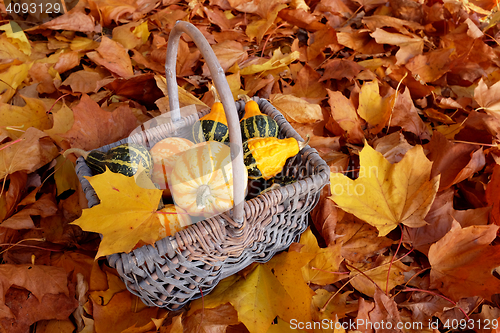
(401, 99)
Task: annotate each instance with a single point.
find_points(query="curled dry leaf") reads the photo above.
(45, 206)
(296, 109)
(453, 161)
(344, 113)
(359, 239)
(393, 146)
(210, 320)
(75, 20)
(93, 127)
(113, 56)
(409, 46)
(277, 61)
(28, 153)
(405, 114)
(488, 97)
(439, 219)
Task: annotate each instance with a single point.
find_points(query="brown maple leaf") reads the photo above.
(463, 260)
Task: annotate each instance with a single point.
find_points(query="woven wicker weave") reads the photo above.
(190, 263)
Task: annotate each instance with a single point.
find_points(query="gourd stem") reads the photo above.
(244, 97)
(214, 92)
(79, 151)
(202, 193)
(302, 144)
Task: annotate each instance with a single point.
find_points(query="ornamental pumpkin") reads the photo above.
(172, 219)
(124, 159)
(202, 179)
(255, 124)
(213, 126)
(265, 157)
(165, 153)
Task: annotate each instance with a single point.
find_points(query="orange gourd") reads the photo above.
(172, 219)
(164, 154)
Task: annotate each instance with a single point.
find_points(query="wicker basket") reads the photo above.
(190, 263)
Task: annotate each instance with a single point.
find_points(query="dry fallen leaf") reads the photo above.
(359, 239)
(377, 272)
(258, 298)
(344, 113)
(93, 127)
(373, 108)
(453, 161)
(409, 46)
(113, 56)
(39, 280)
(462, 262)
(296, 109)
(488, 97)
(385, 194)
(28, 153)
(125, 216)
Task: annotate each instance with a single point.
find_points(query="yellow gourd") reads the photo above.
(265, 157)
(202, 179)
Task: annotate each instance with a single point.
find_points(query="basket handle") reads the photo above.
(226, 96)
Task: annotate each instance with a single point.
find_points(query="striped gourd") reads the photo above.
(255, 124)
(124, 159)
(213, 126)
(265, 157)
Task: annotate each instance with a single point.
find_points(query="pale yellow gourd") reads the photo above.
(202, 179)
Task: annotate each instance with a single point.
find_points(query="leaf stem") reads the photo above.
(438, 295)
(392, 260)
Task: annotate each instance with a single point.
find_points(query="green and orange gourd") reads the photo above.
(254, 123)
(213, 126)
(125, 159)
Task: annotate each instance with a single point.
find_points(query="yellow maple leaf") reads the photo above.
(376, 272)
(286, 267)
(126, 215)
(373, 108)
(278, 60)
(258, 298)
(17, 36)
(386, 194)
(323, 263)
(258, 28)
